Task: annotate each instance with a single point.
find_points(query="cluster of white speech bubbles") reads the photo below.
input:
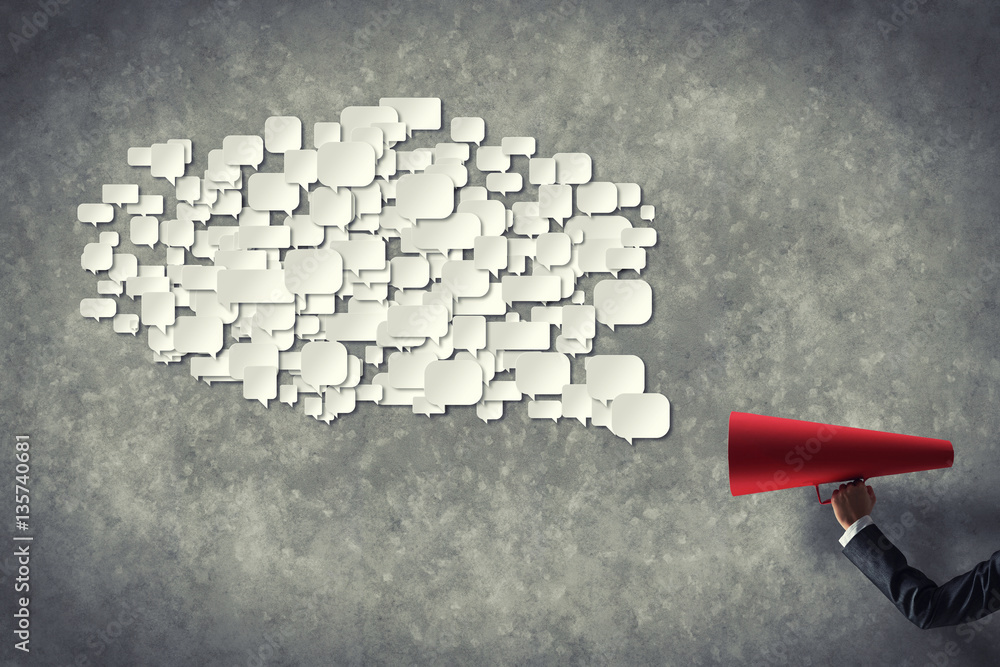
(295, 263)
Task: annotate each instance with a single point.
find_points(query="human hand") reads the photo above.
(852, 501)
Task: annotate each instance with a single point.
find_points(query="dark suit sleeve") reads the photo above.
(965, 598)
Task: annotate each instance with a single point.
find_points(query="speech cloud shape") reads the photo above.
(640, 416)
(468, 129)
(98, 308)
(293, 294)
(608, 376)
(623, 302)
(243, 149)
(542, 373)
(453, 382)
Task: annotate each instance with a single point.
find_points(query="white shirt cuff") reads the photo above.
(855, 528)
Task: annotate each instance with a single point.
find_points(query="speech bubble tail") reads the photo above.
(162, 328)
(582, 420)
(263, 401)
(610, 326)
(172, 179)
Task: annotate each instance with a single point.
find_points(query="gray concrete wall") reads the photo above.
(826, 193)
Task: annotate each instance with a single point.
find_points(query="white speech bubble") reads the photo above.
(243, 149)
(139, 285)
(177, 233)
(158, 309)
(541, 373)
(573, 168)
(609, 375)
(406, 369)
(418, 113)
(492, 158)
(219, 170)
(260, 383)
(331, 208)
(147, 205)
(640, 416)
(264, 237)
(517, 335)
(355, 117)
(578, 322)
(647, 212)
(97, 257)
(338, 401)
(430, 321)
(463, 279)
(229, 202)
(270, 192)
(619, 259)
(453, 382)
(199, 277)
(504, 183)
(197, 334)
(167, 161)
(243, 355)
(456, 232)
(346, 164)
(109, 287)
(577, 403)
(253, 286)
(120, 195)
(545, 410)
(597, 197)
(123, 266)
(623, 302)
(491, 213)
(318, 271)
(95, 213)
(274, 317)
(638, 237)
(188, 188)
(469, 129)
(139, 156)
(451, 151)
(458, 173)
(282, 133)
(518, 146)
(629, 194)
(305, 232)
(553, 249)
(555, 201)
(425, 196)
(98, 308)
(409, 272)
(324, 363)
(531, 288)
(490, 253)
(361, 254)
(542, 171)
(125, 323)
(325, 132)
(469, 332)
(372, 136)
(301, 167)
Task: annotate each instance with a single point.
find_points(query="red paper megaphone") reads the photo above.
(771, 453)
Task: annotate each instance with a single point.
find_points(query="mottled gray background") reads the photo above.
(826, 194)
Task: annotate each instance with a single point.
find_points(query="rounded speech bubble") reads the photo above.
(623, 302)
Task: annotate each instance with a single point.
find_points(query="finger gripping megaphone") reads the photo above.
(771, 453)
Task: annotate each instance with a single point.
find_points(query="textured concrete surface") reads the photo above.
(826, 189)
